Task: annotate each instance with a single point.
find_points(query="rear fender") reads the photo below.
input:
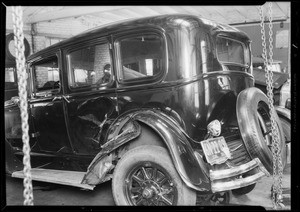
(170, 133)
(284, 112)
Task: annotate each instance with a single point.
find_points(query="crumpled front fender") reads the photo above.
(127, 128)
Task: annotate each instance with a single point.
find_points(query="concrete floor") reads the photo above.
(52, 194)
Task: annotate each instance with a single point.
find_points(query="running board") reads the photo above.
(70, 178)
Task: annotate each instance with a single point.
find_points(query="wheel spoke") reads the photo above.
(165, 200)
(137, 179)
(163, 180)
(154, 173)
(139, 200)
(154, 202)
(145, 173)
(136, 190)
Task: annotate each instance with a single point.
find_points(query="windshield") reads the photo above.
(230, 51)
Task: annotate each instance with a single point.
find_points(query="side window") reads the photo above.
(90, 66)
(10, 78)
(230, 51)
(142, 57)
(46, 75)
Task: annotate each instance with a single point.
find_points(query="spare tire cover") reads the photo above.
(249, 102)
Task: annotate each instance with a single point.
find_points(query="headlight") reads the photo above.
(214, 128)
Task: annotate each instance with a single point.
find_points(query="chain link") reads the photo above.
(22, 85)
(277, 163)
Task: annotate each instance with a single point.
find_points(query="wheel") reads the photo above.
(255, 125)
(10, 51)
(146, 175)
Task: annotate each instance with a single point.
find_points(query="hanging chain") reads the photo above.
(22, 85)
(277, 163)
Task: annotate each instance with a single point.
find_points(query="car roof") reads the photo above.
(162, 21)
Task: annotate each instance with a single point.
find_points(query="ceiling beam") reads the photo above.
(71, 12)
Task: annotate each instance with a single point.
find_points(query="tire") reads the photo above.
(254, 122)
(246, 189)
(243, 190)
(163, 188)
(286, 127)
(9, 38)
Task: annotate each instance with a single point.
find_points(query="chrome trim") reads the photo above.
(225, 173)
(220, 181)
(237, 183)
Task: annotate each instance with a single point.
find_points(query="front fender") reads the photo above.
(179, 147)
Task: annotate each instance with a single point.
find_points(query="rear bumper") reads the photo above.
(227, 179)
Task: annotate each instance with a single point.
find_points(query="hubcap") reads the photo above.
(150, 184)
(147, 193)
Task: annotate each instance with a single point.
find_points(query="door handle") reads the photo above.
(56, 98)
(62, 97)
(66, 98)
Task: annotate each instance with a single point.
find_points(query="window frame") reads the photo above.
(245, 48)
(144, 80)
(83, 45)
(14, 84)
(45, 93)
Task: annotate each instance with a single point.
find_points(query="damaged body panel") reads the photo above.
(88, 119)
(176, 142)
(103, 162)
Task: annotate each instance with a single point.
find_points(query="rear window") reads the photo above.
(231, 51)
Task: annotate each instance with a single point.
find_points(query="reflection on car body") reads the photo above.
(176, 82)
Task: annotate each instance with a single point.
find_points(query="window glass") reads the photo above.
(230, 51)
(46, 74)
(141, 57)
(10, 78)
(10, 75)
(90, 66)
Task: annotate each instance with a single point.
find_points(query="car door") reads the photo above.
(47, 105)
(90, 89)
(141, 66)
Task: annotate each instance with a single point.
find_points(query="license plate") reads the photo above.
(216, 150)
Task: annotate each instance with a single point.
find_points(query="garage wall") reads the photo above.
(280, 50)
(50, 32)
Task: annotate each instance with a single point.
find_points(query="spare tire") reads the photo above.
(10, 56)
(254, 122)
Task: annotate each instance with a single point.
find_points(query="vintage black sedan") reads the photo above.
(164, 106)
